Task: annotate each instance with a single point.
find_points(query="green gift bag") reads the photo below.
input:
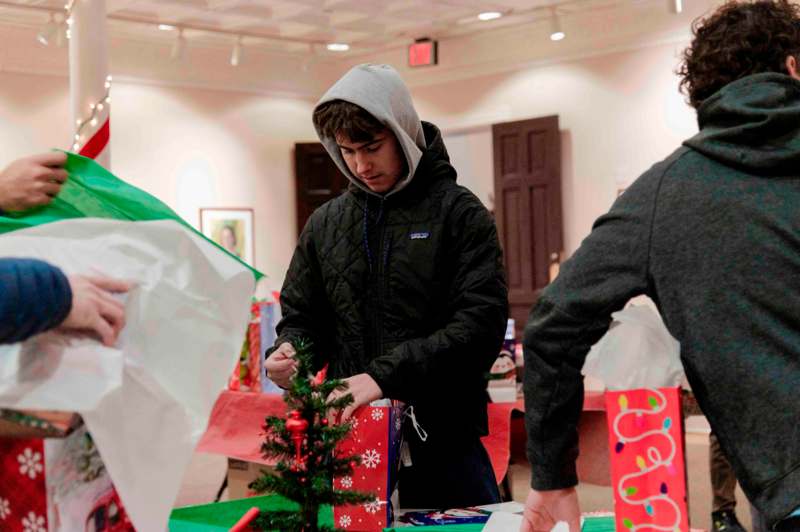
(93, 192)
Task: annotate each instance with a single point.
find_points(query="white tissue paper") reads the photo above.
(146, 401)
(637, 352)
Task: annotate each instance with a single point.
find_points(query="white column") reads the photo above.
(88, 71)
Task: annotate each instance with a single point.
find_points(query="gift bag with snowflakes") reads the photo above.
(648, 469)
(23, 498)
(57, 484)
(376, 437)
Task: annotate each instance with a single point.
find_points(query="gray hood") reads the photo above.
(379, 90)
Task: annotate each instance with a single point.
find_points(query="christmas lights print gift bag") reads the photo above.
(648, 467)
(376, 437)
(639, 362)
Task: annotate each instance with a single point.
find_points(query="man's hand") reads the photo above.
(94, 308)
(32, 181)
(364, 390)
(543, 509)
(281, 365)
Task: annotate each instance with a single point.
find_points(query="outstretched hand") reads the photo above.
(543, 509)
(281, 365)
(364, 390)
(32, 181)
(94, 307)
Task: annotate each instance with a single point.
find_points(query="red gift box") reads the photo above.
(55, 484)
(648, 468)
(376, 438)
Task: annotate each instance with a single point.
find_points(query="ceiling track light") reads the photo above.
(306, 64)
(178, 46)
(675, 6)
(489, 15)
(48, 32)
(62, 34)
(236, 54)
(556, 31)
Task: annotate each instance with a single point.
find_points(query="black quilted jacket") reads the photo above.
(409, 289)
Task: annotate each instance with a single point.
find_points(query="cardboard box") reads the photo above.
(241, 474)
(37, 424)
(52, 477)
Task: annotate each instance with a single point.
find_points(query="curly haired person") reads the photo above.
(712, 235)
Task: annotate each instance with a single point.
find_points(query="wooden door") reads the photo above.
(527, 191)
(317, 179)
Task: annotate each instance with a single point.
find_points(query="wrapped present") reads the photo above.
(376, 437)
(648, 467)
(247, 374)
(55, 483)
(250, 375)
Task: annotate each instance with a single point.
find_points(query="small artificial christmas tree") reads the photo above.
(305, 446)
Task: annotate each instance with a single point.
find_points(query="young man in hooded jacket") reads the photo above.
(399, 283)
(712, 235)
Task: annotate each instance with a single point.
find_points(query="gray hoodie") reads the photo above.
(379, 90)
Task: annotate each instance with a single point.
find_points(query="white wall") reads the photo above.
(191, 148)
(618, 113)
(470, 152)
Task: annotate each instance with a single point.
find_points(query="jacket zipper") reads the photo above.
(379, 273)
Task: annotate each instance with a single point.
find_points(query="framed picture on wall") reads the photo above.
(231, 228)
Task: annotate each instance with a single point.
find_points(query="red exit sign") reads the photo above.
(423, 53)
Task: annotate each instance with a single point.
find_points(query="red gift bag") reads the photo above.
(648, 468)
(376, 437)
(57, 484)
(23, 497)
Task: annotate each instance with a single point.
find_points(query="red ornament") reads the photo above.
(353, 464)
(302, 480)
(319, 378)
(324, 422)
(297, 427)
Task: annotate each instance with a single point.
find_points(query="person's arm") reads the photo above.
(608, 269)
(32, 181)
(302, 308)
(478, 310)
(34, 297)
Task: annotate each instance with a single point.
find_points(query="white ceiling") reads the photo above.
(301, 26)
(284, 52)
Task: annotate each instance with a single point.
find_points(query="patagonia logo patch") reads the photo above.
(420, 236)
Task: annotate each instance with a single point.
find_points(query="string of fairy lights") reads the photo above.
(658, 403)
(95, 109)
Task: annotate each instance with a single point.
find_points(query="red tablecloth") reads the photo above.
(234, 428)
(498, 441)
